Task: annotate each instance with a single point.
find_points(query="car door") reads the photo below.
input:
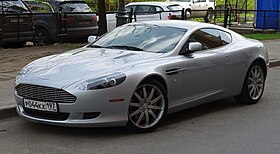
(197, 6)
(205, 72)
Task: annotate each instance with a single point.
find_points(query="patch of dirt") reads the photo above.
(12, 60)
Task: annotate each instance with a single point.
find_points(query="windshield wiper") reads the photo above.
(96, 46)
(125, 47)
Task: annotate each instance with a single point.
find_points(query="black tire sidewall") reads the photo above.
(43, 31)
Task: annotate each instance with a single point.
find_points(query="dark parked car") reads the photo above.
(15, 23)
(78, 24)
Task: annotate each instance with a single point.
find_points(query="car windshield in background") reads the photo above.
(75, 7)
(39, 7)
(174, 7)
(14, 6)
(142, 37)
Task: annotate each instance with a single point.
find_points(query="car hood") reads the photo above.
(81, 64)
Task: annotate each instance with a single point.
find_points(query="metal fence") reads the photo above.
(261, 19)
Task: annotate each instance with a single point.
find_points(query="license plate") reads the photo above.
(15, 20)
(84, 22)
(38, 105)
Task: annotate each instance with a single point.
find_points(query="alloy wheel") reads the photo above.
(256, 82)
(147, 106)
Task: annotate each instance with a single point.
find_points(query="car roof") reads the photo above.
(151, 3)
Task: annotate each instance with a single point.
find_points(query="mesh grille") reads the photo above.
(42, 93)
(46, 115)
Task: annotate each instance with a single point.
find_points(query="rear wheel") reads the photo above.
(42, 37)
(253, 86)
(209, 16)
(147, 108)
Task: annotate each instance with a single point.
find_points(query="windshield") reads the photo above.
(75, 7)
(174, 7)
(142, 37)
(14, 6)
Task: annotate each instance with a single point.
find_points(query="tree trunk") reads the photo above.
(102, 24)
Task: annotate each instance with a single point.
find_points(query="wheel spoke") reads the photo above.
(251, 91)
(135, 112)
(138, 96)
(250, 85)
(154, 107)
(147, 117)
(156, 99)
(258, 74)
(134, 104)
(260, 80)
(255, 72)
(151, 94)
(255, 91)
(140, 118)
(251, 79)
(145, 93)
(152, 114)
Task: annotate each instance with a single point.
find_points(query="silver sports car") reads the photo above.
(138, 73)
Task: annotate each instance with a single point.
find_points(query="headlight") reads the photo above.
(107, 81)
(26, 69)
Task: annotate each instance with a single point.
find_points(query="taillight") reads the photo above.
(172, 16)
(94, 18)
(68, 19)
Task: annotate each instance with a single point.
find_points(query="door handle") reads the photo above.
(174, 70)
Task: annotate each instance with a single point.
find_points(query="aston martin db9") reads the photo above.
(138, 73)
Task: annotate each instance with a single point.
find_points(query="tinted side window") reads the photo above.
(40, 7)
(225, 37)
(210, 38)
(128, 8)
(142, 9)
(75, 7)
(14, 7)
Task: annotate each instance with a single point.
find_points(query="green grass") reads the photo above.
(263, 36)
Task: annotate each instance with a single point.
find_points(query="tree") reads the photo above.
(102, 24)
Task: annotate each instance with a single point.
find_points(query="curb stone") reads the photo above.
(10, 111)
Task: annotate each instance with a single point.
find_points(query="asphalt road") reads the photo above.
(219, 127)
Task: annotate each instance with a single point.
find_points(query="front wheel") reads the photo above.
(253, 86)
(147, 107)
(42, 37)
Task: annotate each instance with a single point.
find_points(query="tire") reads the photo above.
(41, 37)
(148, 107)
(209, 16)
(253, 85)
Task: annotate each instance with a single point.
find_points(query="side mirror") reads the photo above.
(91, 38)
(195, 46)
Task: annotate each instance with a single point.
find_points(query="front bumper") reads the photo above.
(110, 113)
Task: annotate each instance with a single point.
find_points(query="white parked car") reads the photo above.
(193, 6)
(148, 11)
